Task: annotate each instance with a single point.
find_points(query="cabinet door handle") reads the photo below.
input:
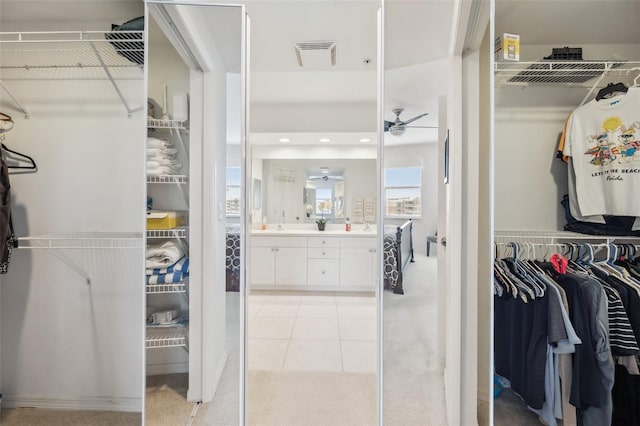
(322, 272)
(323, 253)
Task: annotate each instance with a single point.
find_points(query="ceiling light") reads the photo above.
(284, 140)
(325, 140)
(365, 140)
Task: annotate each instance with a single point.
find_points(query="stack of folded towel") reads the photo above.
(161, 158)
(166, 263)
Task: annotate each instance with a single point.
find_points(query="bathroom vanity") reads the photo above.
(307, 259)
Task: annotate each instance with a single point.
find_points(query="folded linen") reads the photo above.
(158, 143)
(163, 254)
(151, 152)
(170, 278)
(181, 265)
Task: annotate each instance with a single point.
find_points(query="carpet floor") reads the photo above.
(42, 417)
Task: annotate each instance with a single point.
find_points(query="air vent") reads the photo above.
(315, 54)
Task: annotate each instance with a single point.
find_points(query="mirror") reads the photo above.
(416, 83)
(311, 348)
(294, 189)
(195, 76)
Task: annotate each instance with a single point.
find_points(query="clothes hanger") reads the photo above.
(611, 88)
(6, 124)
(20, 157)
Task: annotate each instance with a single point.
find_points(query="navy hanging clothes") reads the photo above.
(7, 237)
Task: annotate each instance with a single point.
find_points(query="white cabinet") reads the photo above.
(323, 261)
(279, 261)
(358, 262)
(331, 263)
(263, 265)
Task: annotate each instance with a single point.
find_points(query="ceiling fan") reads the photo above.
(398, 127)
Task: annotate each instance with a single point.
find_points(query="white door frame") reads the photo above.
(461, 213)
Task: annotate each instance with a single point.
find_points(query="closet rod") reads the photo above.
(16, 101)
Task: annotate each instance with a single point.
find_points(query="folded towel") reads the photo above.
(158, 143)
(181, 265)
(171, 278)
(151, 152)
(163, 254)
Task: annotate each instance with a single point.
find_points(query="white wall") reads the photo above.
(64, 340)
(529, 180)
(359, 175)
(426, 156)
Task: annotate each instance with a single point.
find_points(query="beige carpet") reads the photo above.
(42, 417)
(336, 399)
(166, 400)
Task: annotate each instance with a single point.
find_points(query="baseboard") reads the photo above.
(79, 403)
(172, 368)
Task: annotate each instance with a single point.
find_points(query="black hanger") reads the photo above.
(23, 157)
(610, 90)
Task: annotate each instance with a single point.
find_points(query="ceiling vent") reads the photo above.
(315, 54)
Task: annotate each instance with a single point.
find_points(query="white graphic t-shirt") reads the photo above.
(603, 139)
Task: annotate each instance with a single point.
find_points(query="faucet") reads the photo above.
(366, 227)
(280, 228)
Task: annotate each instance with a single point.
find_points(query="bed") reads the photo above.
(398, 252)
(233, 257)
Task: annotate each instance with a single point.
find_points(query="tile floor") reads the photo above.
(333, 332)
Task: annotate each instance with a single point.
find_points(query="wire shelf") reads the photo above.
(578, 74)
(72, 55)
(180, 232)
(154, 123)
(168, 179)
(166, 338)
(517, 236)
(166, 288)
(83, 240)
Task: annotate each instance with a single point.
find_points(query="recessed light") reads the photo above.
(365, 140)
(284, 140)
(325, 140)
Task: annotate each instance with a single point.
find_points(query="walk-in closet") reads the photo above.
(565, 135)
(71, 323)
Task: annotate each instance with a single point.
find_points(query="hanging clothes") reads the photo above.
(6, 226)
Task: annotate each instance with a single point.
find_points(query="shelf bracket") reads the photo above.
(71, 264)
(16, 101)
(607, 67)
(130, 110)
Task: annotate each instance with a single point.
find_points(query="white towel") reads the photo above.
(164, 254)
(158, 143)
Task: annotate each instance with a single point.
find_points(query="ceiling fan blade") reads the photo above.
(421, 127)
(411, 120)
(387, 124)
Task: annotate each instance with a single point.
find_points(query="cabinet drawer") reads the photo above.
(323, 242)
(323, 271)
(278, 242)
(358, 242)
(323, 253)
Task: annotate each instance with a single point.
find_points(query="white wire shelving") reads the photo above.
(166, 288)
(180, 232)
(72, 55)
(156, 123)
(169, 337)
(174, 179)
(558, 237)
(55, 243)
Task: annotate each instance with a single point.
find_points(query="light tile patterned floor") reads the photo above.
(320, 332)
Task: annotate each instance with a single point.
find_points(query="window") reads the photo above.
(403, 191)
(233, 191)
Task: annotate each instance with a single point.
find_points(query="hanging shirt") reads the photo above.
(603, 139)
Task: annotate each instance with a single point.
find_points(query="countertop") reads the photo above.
(313, 233)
